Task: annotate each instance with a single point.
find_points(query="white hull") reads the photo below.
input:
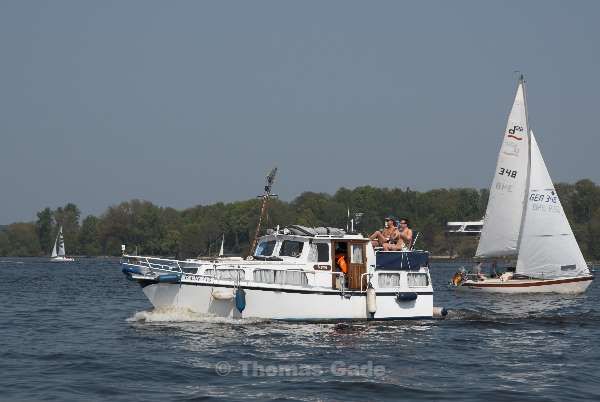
(61, 259)
(287, 305)
(572, 285)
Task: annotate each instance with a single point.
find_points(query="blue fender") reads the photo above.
(169, 278)
(240, 300)
(132, 270)
(406, 296)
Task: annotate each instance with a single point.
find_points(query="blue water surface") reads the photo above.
(81, 331)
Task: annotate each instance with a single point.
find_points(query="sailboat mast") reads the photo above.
(528, 180)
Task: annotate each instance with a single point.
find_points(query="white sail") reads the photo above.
(61, 243)
(54, 254)
(547, 247)
(503, 216)
(221, 251)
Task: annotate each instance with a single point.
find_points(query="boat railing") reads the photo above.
(369, 275)
(154, 263)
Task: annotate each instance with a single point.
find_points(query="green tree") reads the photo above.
(4, 244)
(89, 242)
(45, 230)
(23, 240)
(198, 230)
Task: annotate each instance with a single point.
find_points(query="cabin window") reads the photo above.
(264, 275)
(265, 248)
(323, 252)
(389, 280)
(298, 278)
(418, 280)
(227, 274)
(291, 248)
(318, 252)
(357, 254)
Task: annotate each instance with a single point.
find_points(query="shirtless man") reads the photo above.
(382, 237)
(405, 238)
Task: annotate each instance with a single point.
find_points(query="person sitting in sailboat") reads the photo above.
(384, 236)
(403, 239)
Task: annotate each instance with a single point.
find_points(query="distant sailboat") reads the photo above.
(221, 250)
(58, 252)
(525, 219)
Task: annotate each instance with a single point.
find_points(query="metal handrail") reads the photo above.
(370, 275)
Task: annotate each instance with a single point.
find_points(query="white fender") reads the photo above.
(371, 300)
(223, 294)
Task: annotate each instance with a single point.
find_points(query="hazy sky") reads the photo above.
(191, 102)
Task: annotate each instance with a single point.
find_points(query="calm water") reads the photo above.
(80, 331)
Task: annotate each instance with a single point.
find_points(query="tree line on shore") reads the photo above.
(165, 231)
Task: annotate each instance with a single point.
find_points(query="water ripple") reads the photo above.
(81, 332)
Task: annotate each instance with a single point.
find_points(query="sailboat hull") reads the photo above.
(61, 259)
(572, 285)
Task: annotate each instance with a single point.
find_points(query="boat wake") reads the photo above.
(481, 316)
(182, 315)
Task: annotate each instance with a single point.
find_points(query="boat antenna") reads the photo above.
(270, 179)
(518, 74)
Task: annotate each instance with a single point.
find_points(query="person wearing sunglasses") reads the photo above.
(387, 235)
(404, 239)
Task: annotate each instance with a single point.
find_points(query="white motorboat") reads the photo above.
(468, 228)
(58, 252)
(525, 221)
(294, 275)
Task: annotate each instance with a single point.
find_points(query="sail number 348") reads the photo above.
(507, 172)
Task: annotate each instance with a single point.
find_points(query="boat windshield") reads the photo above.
(265, 248)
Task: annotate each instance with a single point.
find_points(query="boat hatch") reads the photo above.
(401, 260)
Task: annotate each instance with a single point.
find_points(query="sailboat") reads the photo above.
(58, 252)
(525, 220)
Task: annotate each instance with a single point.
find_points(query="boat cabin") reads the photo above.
(312, 258)
(320, 249)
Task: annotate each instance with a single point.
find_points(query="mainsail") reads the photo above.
(61, 243)
(503, 216)
(547, 247)
(54, 254)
